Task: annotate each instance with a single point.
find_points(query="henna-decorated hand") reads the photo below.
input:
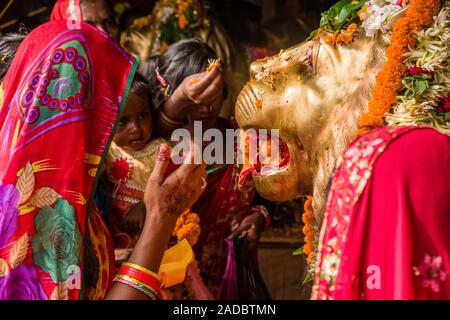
(166, 198)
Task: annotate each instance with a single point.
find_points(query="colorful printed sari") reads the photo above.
(386, 227)
(62, 98)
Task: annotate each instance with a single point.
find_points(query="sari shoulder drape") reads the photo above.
(61, 99)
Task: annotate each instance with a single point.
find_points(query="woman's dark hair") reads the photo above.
(8, 47)
(180, 60)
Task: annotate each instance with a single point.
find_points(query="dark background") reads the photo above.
(274, 24)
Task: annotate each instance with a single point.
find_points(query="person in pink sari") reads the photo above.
(385, 233)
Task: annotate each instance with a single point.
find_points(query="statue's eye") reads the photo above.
(304, 68)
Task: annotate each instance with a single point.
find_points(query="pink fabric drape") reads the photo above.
(66, 9)
(397, 243)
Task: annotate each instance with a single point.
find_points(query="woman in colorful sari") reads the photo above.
(95, 12)
(184, 94)
(60, 104)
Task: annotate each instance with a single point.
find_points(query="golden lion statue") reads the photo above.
(315, 92)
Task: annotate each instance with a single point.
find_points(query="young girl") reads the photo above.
(130, 161)
(187, 87)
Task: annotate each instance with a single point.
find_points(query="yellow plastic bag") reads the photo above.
(174, 264)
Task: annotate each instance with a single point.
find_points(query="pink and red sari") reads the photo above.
(62, 97)
(385, 233)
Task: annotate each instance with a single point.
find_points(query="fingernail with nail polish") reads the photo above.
(163, 153)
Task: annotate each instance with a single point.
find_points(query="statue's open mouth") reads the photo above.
(267, 157)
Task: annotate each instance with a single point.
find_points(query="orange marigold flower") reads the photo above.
(192, 218)
(370, 120)
(308, 249)
(307, 217)
(190, 232)
(307, 229)
(182, 21)
(307, 206)
(342, 36)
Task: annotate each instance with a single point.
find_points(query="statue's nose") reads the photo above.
(260, 65)
(255, 67)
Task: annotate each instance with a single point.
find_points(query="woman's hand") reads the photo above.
(196, 91)
(166, 198)
(250, 227)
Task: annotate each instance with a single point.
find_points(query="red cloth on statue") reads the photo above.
(394, 242)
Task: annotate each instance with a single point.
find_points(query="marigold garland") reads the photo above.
(308, 229)
(418, 15)
(343, 36)
(187, 227)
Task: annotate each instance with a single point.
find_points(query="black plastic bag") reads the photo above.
(250, 284)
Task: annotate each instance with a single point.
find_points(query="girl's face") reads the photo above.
(135, 125)
(207, 114)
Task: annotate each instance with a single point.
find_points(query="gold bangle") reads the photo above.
(133, 265)
(169, 120)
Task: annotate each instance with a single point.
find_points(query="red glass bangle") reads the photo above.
(144, 277)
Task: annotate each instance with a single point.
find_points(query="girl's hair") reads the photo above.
(180, 60)
(8, 47)
(140, 86)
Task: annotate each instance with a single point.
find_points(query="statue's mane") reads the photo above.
(343, 128)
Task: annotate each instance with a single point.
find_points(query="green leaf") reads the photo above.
(421, 86)
(324, 20)
(332, 13)
(312, 35)
(344, 14)
(308, 278)
(299, 251)
(348, 14)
